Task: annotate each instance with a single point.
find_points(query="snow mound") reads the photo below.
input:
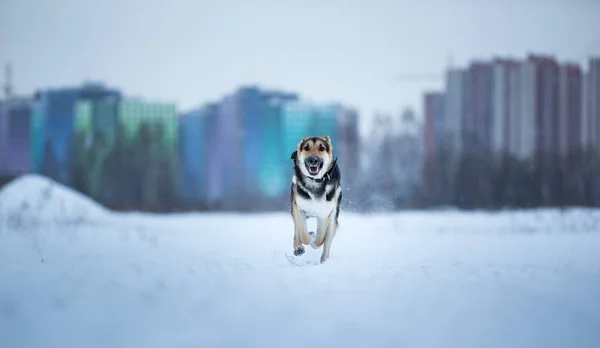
(34, 200)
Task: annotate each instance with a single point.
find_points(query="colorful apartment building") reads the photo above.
(15, 136)
(96, 134)
(149, 134)
(193, 169)
(570, 115)
(53, 127)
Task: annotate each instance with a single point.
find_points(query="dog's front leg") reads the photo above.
(322, 226)
(329, 233)
(300, 234)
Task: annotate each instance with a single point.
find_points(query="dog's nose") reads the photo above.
(313, 160)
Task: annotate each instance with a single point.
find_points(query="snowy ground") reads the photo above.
(433, 279)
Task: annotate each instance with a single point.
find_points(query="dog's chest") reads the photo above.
(318, 207)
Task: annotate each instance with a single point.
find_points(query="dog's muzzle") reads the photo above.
(313, 164)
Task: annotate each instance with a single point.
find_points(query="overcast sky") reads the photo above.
(191, 52)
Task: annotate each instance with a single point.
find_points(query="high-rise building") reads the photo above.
(347, 148)
(53, 127)
(570, 108)
(15, 136)
(213, 154)
(591, 123)
(96, 128)
(149, 133)
(193, 166)
(272, 180)
(503, 112)
(546, 103)
(230, 149)
(407, 150)
(434, 132)
(434, 136)
(250, 111)
(454, 109)
(2, 130)
(523, 131)
(477, 121)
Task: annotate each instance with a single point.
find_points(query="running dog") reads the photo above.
(316, 192)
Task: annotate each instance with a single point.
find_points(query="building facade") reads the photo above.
(149, 132)
(213, 154)
(96, 128)
(250, 111)
(546, 103)
(230, 152)
(272, 180)
(347, 149)
(454, 109)
(477, 121)
(503, 115)
(53, 127)
(2, 130)
(193, 181)
(434, 132)
(523, 134)
(15, 136)
(591, 106)
(570, 109)
(435, 126)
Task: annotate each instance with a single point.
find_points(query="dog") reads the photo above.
(315, 192)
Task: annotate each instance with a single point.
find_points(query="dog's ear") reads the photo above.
(294, 155)
(326, 138)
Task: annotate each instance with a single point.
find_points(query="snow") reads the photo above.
(411, 279)
(33, 200)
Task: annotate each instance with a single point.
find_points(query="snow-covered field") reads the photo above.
(75, 275)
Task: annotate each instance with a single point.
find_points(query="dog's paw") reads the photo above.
(299, 251)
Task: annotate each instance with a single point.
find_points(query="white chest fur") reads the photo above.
(317, 206)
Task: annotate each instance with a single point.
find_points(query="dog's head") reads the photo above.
(314, 155)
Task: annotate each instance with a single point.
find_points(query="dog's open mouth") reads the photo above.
(313, 169)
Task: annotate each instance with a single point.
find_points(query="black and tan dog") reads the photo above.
(316, 192)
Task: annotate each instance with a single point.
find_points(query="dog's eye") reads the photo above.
(322, 148)
(306, 148)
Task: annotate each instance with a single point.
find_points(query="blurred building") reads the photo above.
(15, 136)
(408, 151)
(435, 127)
(454, 109)
(570, 108)
(2, 129)
(96, 131)
(503, 110)
(591, 106)
(213, 154)
(272, 181)
(546, 103)
(193, 164)
(250, 110)
(434, 134)
(347, 148)
(477, 120)
(230, 152)
(149, 134)
(53, 127)
(523, 135)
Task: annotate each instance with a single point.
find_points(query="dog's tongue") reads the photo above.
(313, 170)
